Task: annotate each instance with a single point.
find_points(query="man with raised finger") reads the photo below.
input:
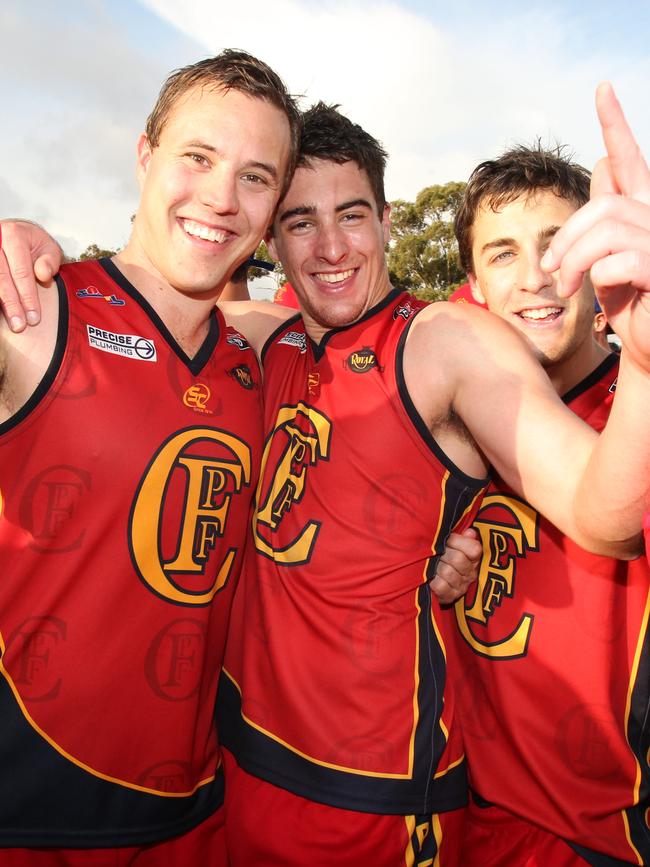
(550, 654)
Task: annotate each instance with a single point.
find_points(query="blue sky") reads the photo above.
(442, 85)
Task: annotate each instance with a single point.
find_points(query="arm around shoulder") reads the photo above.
(485, 373)
(256, 320)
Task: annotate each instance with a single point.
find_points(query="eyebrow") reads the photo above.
(310, 210)
(255, 164)
(353, 203)
(543, 235)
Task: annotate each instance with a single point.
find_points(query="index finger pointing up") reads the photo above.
(629, 168)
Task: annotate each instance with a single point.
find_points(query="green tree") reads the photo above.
(95, 252)
(278, 274)
(423, 254)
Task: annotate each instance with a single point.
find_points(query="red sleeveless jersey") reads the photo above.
(334, 683)
(125, 487)
(550, 655)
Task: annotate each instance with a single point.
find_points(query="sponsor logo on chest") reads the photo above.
(127, 345)
(362, 360)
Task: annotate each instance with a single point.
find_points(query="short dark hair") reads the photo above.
(520, 171)
(329, 135)
(230, 70)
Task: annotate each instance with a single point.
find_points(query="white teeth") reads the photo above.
(539, 312)
(335, 278)
(201, 231)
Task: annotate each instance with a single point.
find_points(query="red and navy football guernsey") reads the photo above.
(550, 655)
(334, 684)
(125, 486)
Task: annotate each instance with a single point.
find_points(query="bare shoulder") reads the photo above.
(448, 323)
(459, 358)
(25, 356)
(256, 320)
(452, 341)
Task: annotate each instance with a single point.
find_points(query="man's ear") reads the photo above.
(385, 222)
(476, 289)
(144, 151)
(269, 240)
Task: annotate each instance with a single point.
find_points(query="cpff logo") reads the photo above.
(180, 514)
(299, 442)
(508, 528)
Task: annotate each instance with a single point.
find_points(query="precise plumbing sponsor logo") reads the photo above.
(129, 345)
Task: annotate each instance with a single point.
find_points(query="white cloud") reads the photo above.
(441, 93)
(439, 99)
(75, 93)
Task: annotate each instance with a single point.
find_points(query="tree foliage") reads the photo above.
(278, 274)
(92, 251)
(423, 254)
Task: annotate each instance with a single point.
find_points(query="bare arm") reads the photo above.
(256, 320)
(610, 238)
(24, 358)
(471, 363)
(595, 489)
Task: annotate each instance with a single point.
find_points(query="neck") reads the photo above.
(566, 374)
(186, 316)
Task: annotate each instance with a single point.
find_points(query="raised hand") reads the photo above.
(610, 235)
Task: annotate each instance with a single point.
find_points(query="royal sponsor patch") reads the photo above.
(362, 360)
(127, 345)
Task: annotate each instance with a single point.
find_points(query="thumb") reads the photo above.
(45, 267)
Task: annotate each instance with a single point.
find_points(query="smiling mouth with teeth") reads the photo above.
(338, 277)
(198, 230)
(540, 313)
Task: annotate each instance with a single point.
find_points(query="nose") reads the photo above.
(331, 244)
(219, 190)
(533, 278)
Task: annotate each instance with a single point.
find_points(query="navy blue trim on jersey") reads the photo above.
(74, 808)
(638, 736)
(594, 377)
(268, 759)
(195, 364)
(597, 859)
(53, 367)
(318, 349)
(418, 422)
(458, 497)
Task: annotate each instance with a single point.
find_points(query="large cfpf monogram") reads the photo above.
(508, 534)
(180, 513)
(300, 439)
